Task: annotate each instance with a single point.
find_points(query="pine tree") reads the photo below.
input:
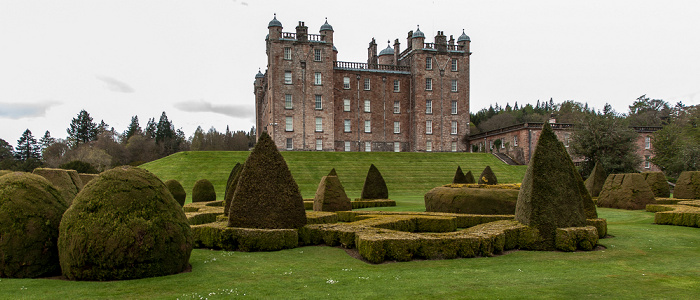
(82, 129)
(151, 128)
(46, 141)
(164, 129)
(134, 128)
(27, 147)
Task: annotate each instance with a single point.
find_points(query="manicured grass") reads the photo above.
(406, 174)
(642, 261)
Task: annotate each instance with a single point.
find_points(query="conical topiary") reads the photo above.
(550, 195)
(469, 177)
(203, 191)
(657, 183)
(30, 213)
(231, 187)
(374, 187)
(626, 191)
(487, 176)
(330, 195)
(595, 181)
(176, 190)
(266, 195)
(459, 177)
(688, 185)
(332, 173)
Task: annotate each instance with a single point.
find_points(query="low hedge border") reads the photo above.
(508, 186)
(203, 212)
(461, 220)
(218, 236)
(576, 238)
(357, 203)
(685, 213)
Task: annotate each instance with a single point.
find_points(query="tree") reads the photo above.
(647, 112)
(677, 145)
(134, 128)
(7, 158)
(46, 141)
(151, 128)
(82, 129)
(27, 147)
(605, 137)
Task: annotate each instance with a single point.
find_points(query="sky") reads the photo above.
(197, 59)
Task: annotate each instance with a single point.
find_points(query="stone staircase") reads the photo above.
(506, 159)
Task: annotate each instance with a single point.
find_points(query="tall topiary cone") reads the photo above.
(459, 177)
(595, 181)
(30, 213)
(550, 195)
(487, 176)
(330, 195)
(688, 185)
(469, 177)
(231, 186)
(203, 191)
(267, 195)
(176, 190)
(374, 187)
(124, 225)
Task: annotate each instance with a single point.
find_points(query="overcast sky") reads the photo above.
(196, 60)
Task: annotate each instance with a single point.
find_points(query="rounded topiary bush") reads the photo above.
(85, 177)
(30, 213)
(488, 177)
(203, 191)
(688, 185)
(68, 182)
(124, 225)
(176, 190)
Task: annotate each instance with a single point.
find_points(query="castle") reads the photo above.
(412, 100)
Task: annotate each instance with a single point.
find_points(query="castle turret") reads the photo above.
(386, 57)
(464, 41)
(418, 39)
(327, 32)
(275, 29)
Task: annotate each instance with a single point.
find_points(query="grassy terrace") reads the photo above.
(642, 260)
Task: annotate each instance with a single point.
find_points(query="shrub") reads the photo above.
(470, 177)
(66, 181)
(471, 200)
(330, 195)
(124, 225)
(85, 178)
(551, 196)
(594, 182)
(176, 190)
(30, 213)
(658, 184)
(203, 191)
(80, 166)
(266, 195)
(374, 187)
(625, 191)
(688, 185)
(231, 187)
(487, 176)
(459, 176)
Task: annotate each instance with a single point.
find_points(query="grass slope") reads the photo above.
(406, 174)
(642, 261)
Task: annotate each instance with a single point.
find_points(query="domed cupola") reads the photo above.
(418, 33)
(464, 37)
(274, 22)
(326, 26)
(387, 51)
(259, 75)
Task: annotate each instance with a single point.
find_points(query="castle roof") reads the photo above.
(259, 75)
(418, 33)
(326, 26)
(387, 51)
(274, 22)
(463, 37)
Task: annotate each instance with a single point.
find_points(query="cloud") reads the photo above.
(115, 85)
(24, 110)
(236, 111)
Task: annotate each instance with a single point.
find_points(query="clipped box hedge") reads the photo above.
(218, 236)
(576, 238)
(685, 213)
(471, 199)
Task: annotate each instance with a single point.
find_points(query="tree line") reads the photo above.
(94, 147)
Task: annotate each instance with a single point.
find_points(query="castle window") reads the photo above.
(346, 104)
(319, 124)
(647, 142)
(367, 106)
(287, 53)
(428, 63)
(429, 127)
(289, 144)
(566, 139)
(368, 146)
(346, 83)
(428, 106)
(319, 144)
(397, 127)
(288, 124)
(515, 141)
(347, 146)
(317, 78)
(347, 125)
(428, 84)
(454, 107)
(647, 164)
(287, 77)
(318, 105)
(288, 101)
(454, 147)
(454, 65)
(454, 85)
(397, 107)
(429, 146)
(503, 143)
(368, 126)
(397, 147)
(454, 128)
(317, 54)
(397, 86)
(367, 86)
